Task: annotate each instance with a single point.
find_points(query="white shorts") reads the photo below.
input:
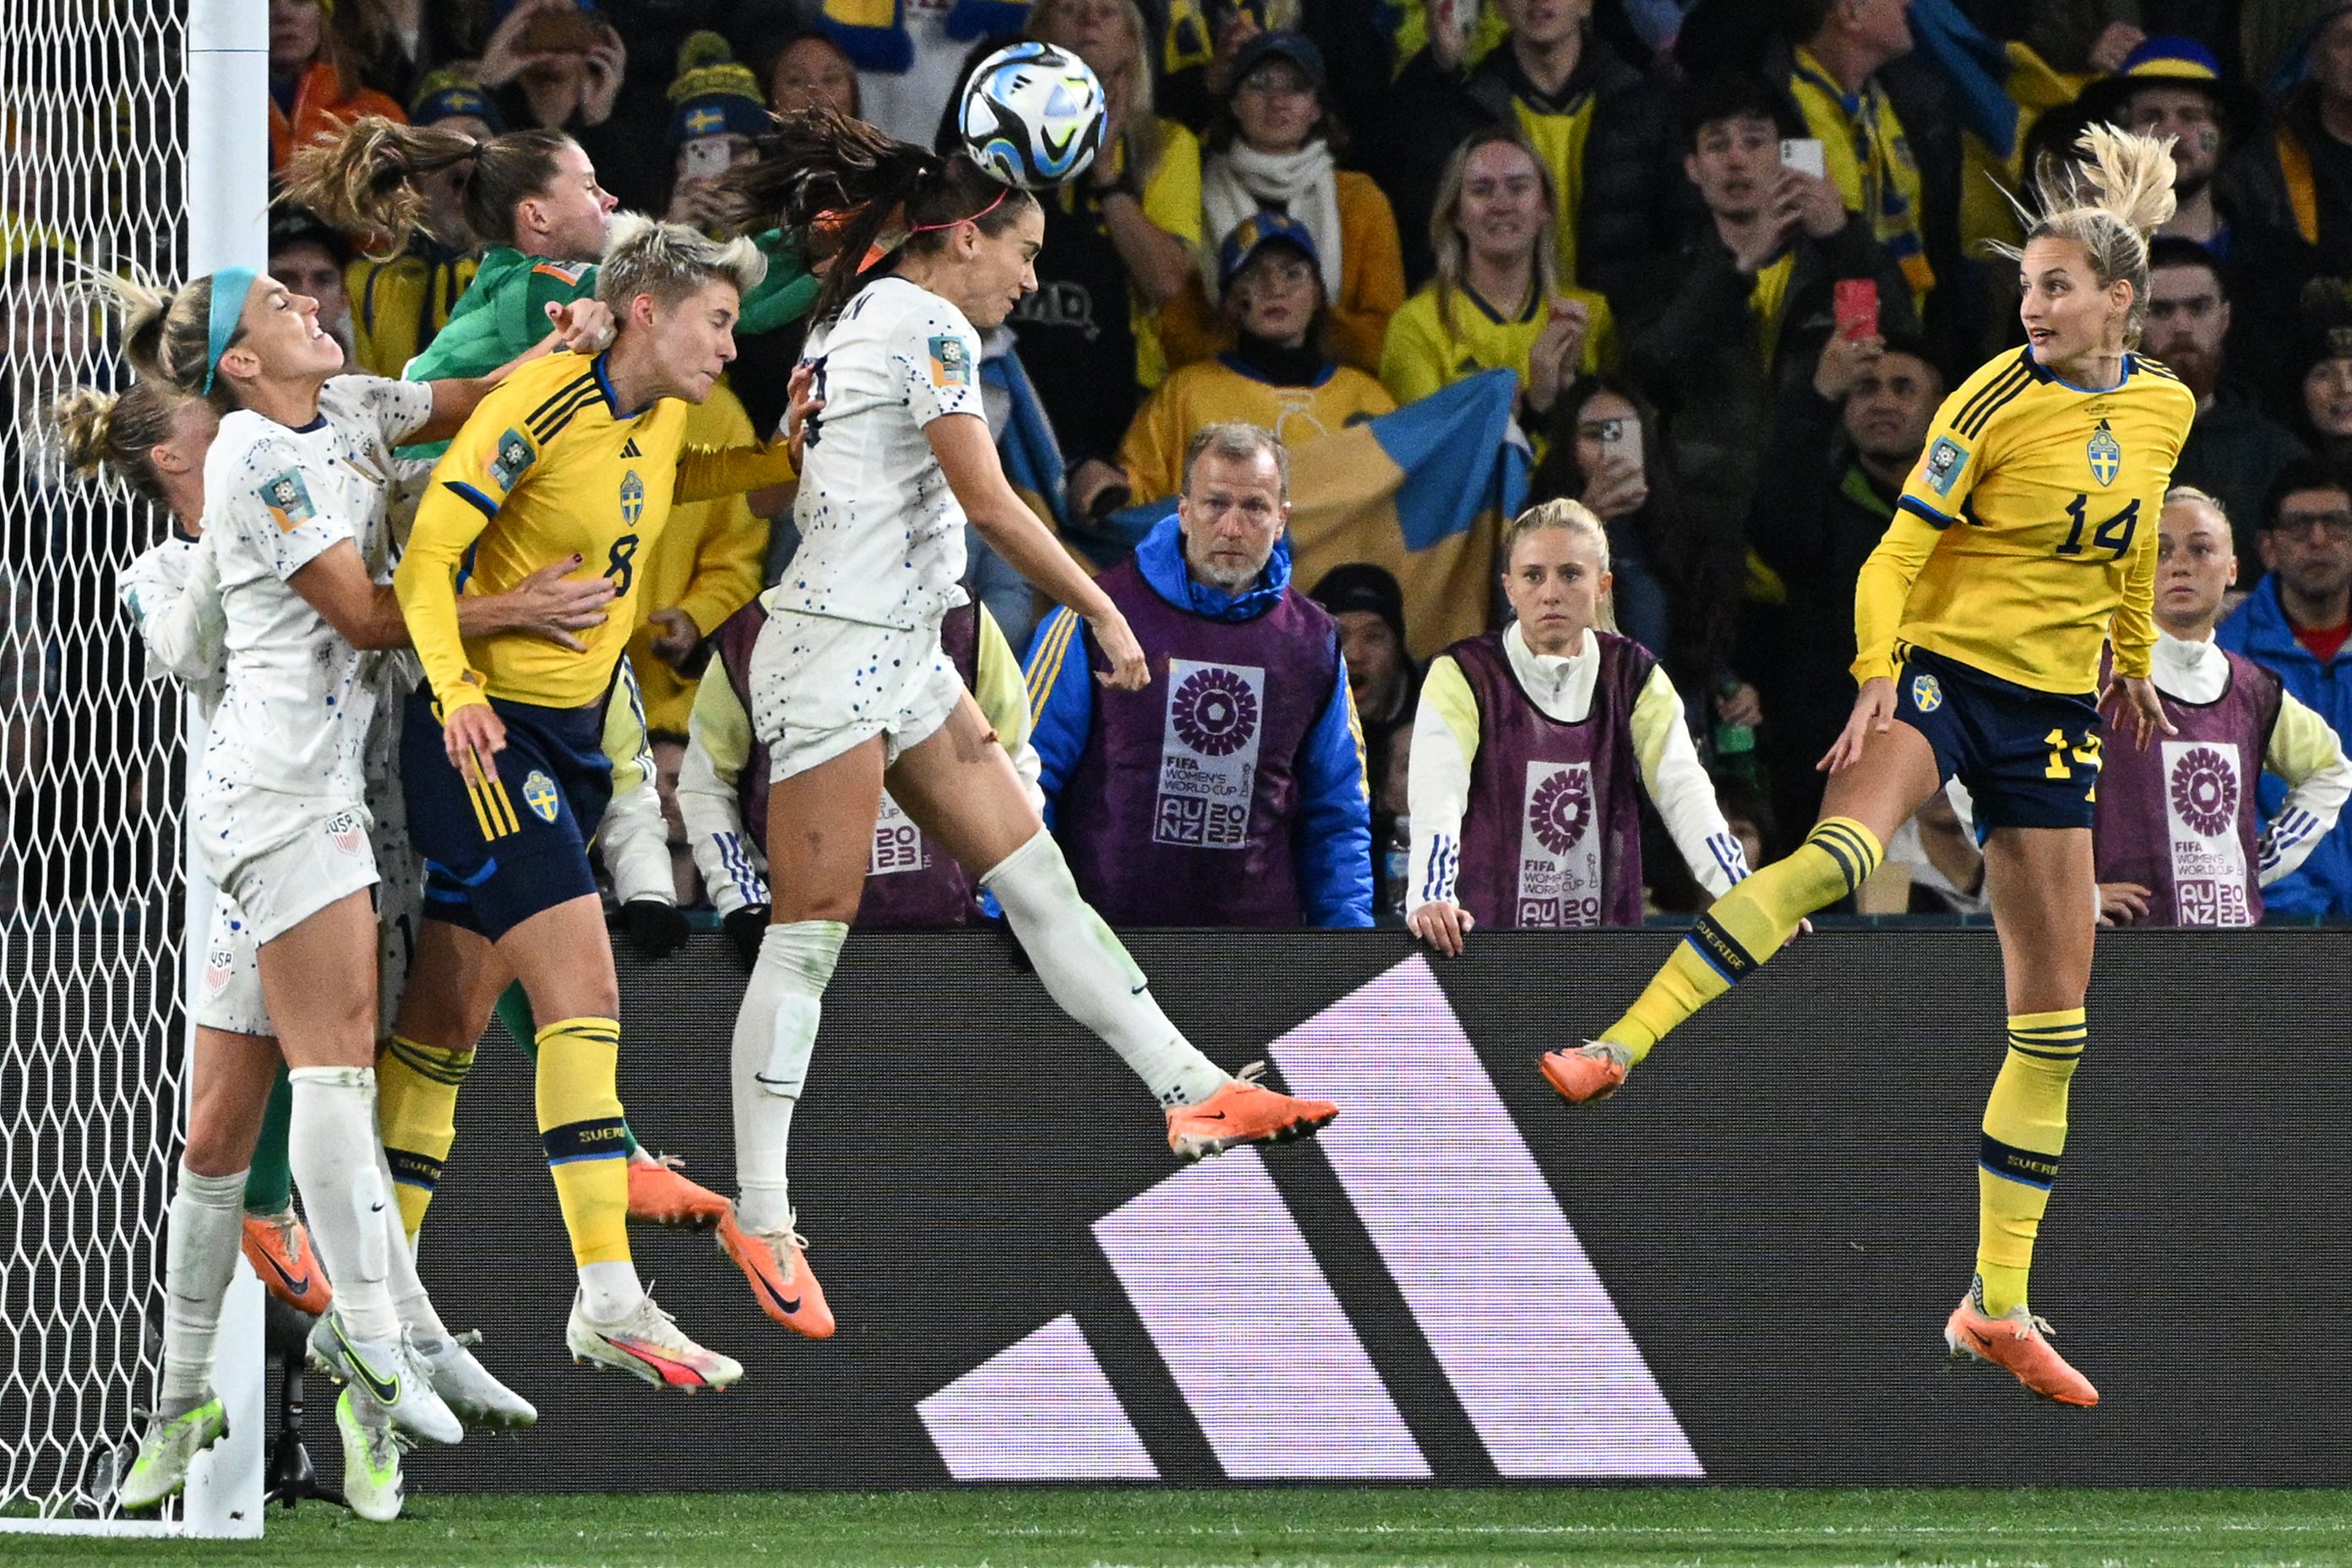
(229, 987)
(281, 857)
(822, 686)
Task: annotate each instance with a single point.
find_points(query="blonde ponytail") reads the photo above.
(2111, 204)
(102, 430)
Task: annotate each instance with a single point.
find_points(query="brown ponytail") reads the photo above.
(851, 189)
(366, 179)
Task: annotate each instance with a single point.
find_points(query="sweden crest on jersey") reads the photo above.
(1926, 694)
(539, 793)
(633, 498)
(2107, 454)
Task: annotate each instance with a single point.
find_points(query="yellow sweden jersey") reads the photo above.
(548, 467)
(2026, 537)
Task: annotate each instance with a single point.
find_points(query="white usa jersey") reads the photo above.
(295, 714)
(172, 595)
(881, 533)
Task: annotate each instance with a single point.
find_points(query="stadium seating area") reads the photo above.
(1694, 211)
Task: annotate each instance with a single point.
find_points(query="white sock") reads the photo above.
(338, 1160)
(409, 1302)
(775, 1034)
(610, 1291)
(200, 1248)
(1088, 973)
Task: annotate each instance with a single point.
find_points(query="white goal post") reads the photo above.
(133, 133)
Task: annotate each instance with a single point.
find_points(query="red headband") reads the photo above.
(928, 227)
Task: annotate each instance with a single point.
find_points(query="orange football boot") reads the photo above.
(778, 1269)
(279, 1250)
(2019, 1343)
(660, 1194)
(1243, 1112)
(1592, 1071)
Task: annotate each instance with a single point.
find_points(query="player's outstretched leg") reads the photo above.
(1745, 926)
(1087, 972)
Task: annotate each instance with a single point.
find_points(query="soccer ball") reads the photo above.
(1032, 115)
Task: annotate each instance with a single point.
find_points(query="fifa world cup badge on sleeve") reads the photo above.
(512, 457)
(1945, 459)
(2107, 454)
(950, 365)
(288, 501)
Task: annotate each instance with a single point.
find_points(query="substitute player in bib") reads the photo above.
(2180, 830)
(295, 489)
(503, 757)
(2025, 539)
(1528, 748)
(850, 688)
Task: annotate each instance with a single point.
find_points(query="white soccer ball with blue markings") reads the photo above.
(1032, 116)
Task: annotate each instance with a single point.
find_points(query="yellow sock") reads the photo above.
(2024, 1134)
(1746, 926)
(416, 1110)
(579, 1127)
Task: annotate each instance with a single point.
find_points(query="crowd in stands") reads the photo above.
(1730, 254)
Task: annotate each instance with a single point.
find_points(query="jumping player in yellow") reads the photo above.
(2024, 541)
(503, 760)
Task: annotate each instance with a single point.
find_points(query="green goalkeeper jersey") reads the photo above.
(504, 311)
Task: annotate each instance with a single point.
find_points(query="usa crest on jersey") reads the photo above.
(2107, 454)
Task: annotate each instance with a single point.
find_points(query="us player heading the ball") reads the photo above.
(503, 758)
(2025, 539)
(849, 687)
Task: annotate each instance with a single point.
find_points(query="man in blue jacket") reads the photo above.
(2298, 624)
(1229, 792)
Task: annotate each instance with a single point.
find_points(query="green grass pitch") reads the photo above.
(1288, 1528)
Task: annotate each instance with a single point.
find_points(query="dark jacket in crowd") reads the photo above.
(1630, 178)
(2233, 454)
(1817, 516)
(1694, 346)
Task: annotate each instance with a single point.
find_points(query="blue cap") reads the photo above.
(1296, 47)
(1254, 233)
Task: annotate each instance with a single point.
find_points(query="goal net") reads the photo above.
(92, 160)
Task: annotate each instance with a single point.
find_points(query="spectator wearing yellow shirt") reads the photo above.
(1277, 375)
(1271, 148)
(1836, 49)
(1496, 300)
(1120, 243)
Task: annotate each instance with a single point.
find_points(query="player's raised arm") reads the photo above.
(579, 327)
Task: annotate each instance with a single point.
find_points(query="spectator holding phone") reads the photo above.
(1770, 267)
(716, 110)
(1497, 301)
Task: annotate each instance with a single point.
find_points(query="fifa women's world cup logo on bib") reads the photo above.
(2201, 794)
(1208, 757)
(898, 842)
(1559, 853)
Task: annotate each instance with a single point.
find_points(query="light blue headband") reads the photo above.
(230, 286)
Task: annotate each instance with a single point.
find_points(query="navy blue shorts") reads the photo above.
(496, 854)
(2030, 759)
